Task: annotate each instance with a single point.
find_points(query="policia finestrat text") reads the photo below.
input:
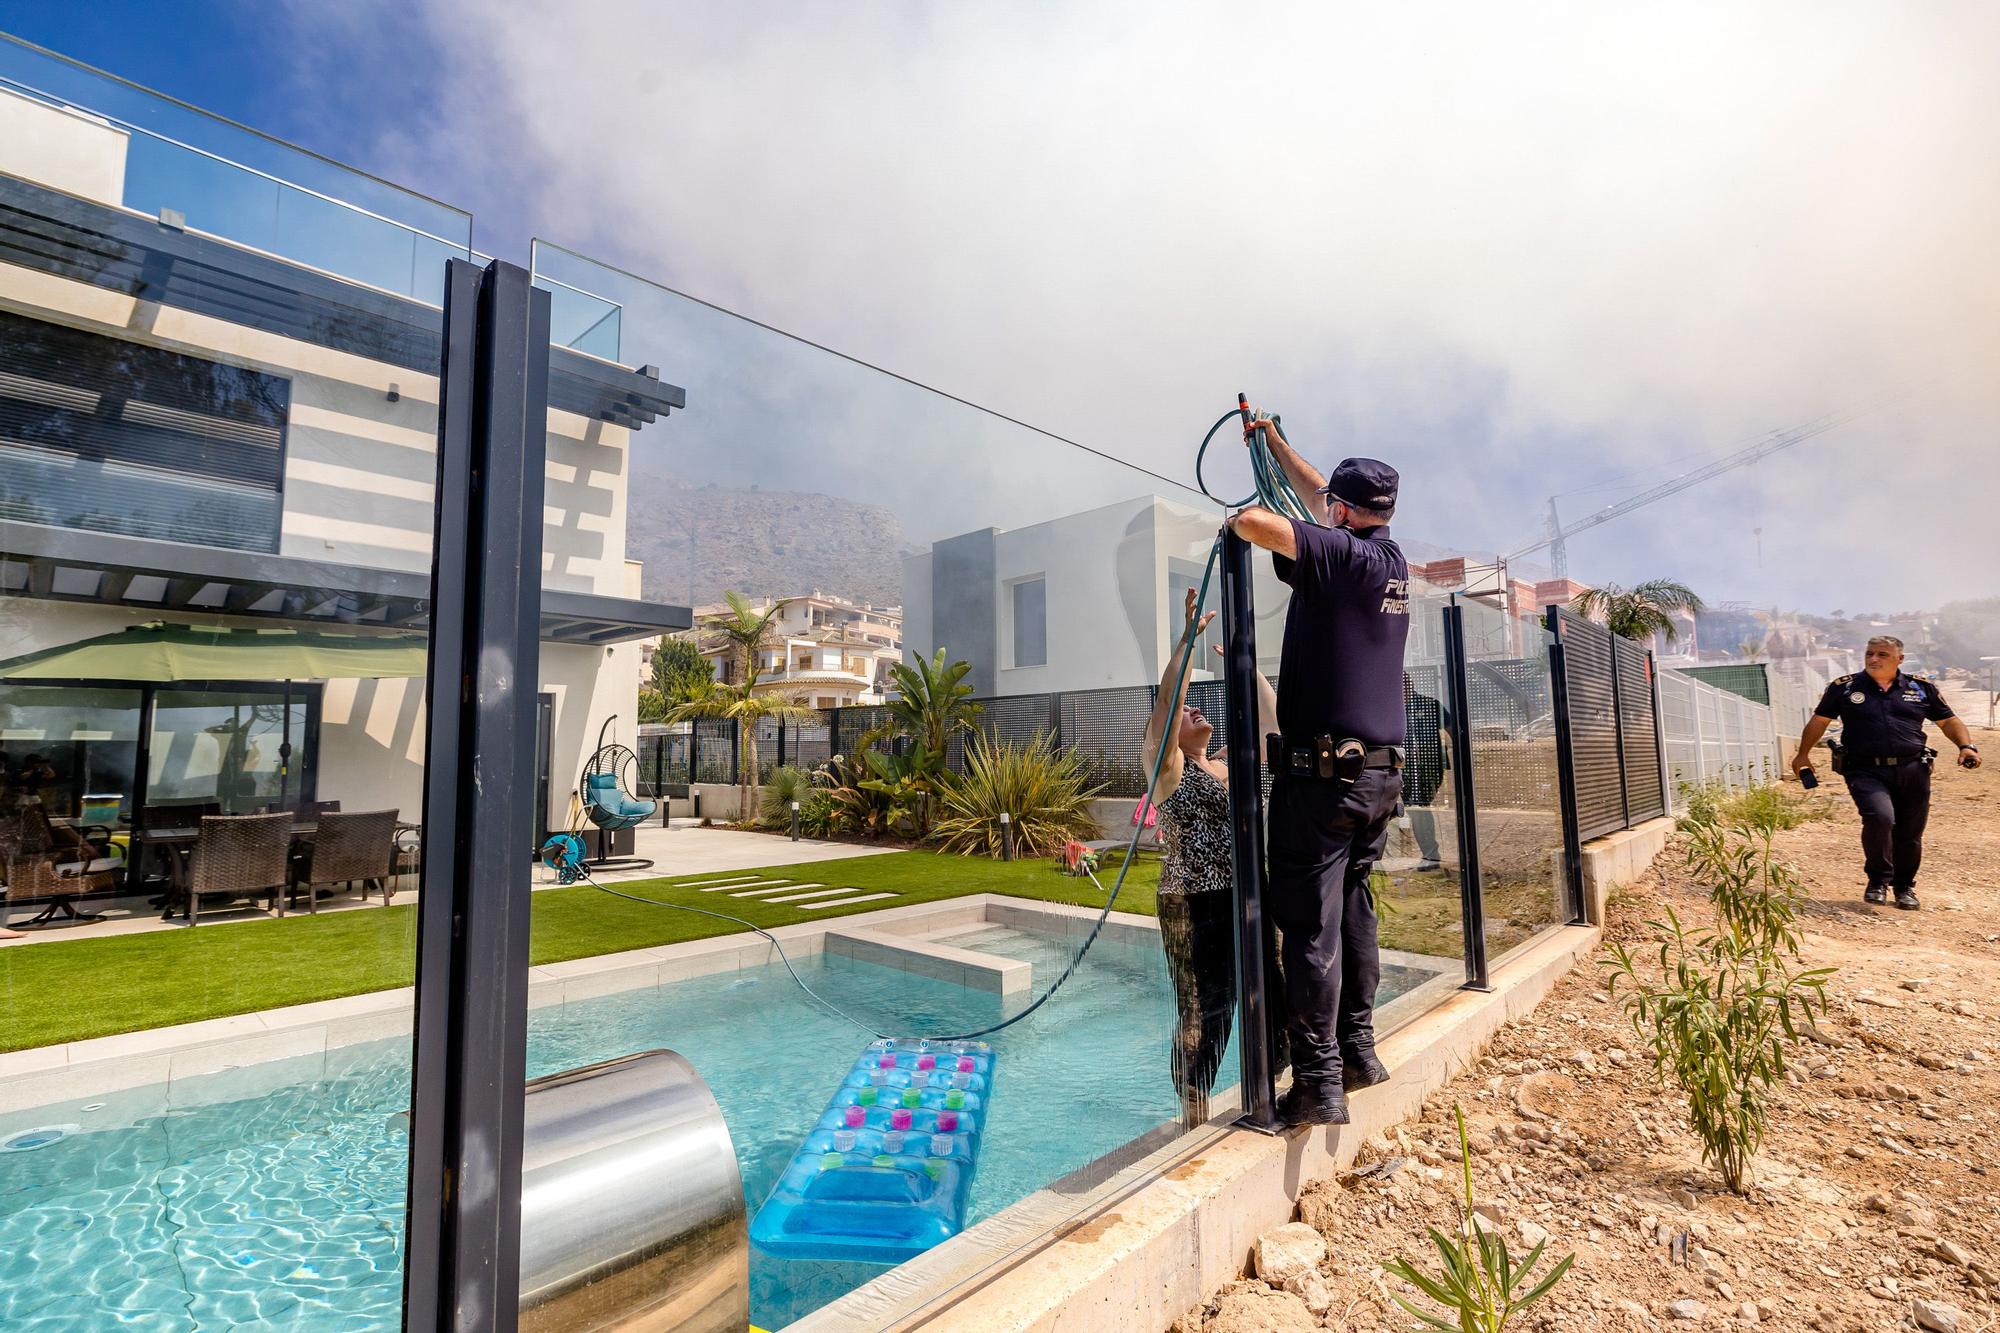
(1882, 755)
(1336, 766)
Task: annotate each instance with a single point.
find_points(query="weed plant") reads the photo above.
(1480, 1287)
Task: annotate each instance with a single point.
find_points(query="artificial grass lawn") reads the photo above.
(69, 991)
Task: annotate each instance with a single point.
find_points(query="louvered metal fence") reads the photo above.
(1609, 722)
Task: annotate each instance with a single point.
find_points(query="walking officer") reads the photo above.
(1882, 755)
(1336, 766)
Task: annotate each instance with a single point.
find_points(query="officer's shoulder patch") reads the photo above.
(1842, 680)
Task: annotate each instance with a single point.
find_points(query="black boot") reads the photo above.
(1362, 1071)
(1906, 897)
(1312, 1101)
(1876, 893)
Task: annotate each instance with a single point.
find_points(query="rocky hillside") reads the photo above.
(761, 542)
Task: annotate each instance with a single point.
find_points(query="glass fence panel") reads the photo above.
(77, 130)
(1419, 908)
(1511, 737)
(912, 618)
(215, 554)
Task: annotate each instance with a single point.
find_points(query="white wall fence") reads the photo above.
(1797, 683)
(1712, 734)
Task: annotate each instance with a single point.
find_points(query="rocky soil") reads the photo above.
(1877, 1200)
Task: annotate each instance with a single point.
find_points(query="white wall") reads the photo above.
(68, 150)
(1107, 591)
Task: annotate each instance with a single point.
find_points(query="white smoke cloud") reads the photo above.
(1515, 249)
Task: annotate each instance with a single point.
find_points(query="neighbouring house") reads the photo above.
(218, 390)
(1085, 601)
(828, 652)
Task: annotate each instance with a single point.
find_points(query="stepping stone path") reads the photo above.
(810, 897)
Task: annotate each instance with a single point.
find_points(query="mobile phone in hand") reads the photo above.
(1808, 779)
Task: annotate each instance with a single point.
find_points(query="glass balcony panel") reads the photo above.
(88, 133)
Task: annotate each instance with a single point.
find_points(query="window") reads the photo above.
(114, 436)
(1180, 581)
(1031, 623)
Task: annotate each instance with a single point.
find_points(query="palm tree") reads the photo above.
(745, 707)
(1640, 611)
(745, 629)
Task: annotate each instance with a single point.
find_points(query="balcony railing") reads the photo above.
(164, 159)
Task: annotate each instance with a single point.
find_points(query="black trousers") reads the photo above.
(1895, 804)
(1324, 840)
(1198, 932)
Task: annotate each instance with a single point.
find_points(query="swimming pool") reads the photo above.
(275, 1194)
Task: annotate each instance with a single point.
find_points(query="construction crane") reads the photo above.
(1558, 534)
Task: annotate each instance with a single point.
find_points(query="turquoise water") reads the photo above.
(274, 1196)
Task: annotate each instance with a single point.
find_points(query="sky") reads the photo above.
(1517, 251)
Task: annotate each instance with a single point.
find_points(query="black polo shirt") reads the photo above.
(1341, 670)
(1879, 723)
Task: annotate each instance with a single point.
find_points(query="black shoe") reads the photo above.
(1311, 1101)
(1877, 893)
(1906, 898)
(1362, 1071)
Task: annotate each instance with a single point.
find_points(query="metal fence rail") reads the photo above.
(1610, 726)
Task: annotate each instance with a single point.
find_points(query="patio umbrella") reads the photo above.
(159, 652)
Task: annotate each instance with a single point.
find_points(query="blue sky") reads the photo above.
(1511, 254)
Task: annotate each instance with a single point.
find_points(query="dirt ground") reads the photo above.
(1879, 1180)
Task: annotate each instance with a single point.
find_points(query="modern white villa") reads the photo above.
(829, 652)
(218, 408)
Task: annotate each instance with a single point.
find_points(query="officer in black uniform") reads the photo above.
(1882, 755)
(1336, 776)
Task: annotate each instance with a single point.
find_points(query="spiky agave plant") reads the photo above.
(1043, 790)
(1481, 1287)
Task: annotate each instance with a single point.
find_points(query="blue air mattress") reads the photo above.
(885, 1173)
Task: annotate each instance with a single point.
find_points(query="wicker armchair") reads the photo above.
(357, 848)
(240, 856)
(41, 859)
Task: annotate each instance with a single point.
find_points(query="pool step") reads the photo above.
(926, 957)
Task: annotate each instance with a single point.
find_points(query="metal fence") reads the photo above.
(1714, 734)
(1607, 717)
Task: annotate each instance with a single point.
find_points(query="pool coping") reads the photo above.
(98, 1066)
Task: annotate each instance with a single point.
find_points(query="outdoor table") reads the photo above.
(178, 844)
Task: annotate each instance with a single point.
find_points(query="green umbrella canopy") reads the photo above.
(161, 652)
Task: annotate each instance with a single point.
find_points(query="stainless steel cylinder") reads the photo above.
(632, 1210)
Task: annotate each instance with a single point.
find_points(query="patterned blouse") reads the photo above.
(1195, 820)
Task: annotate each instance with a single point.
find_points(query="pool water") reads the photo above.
(274, 1195)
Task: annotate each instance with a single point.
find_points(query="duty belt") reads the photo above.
(1322, 760)
(1890, 761)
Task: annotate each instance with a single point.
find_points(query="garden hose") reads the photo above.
(1273, 491)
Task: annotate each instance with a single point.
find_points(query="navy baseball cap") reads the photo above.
(1365, 482)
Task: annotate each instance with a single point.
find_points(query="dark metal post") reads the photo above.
(795, 821)
(469, 1065)
(1246, 817)
(1472, 902)
(1006, 836)
(1566, 771)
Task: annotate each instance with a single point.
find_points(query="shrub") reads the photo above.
(1768, 807)
(784, 785)
(1756, 896)
(1043, 790)
(1718, 1021)
(816, 814)
(1480, 1287)
(1701, 804)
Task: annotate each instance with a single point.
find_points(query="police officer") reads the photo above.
(1887, 766)
(1336, 764)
